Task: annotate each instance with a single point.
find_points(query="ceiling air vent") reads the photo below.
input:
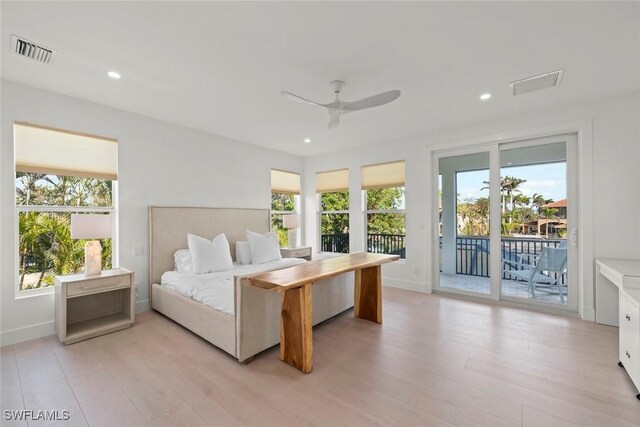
(32, 50)
(530, 84)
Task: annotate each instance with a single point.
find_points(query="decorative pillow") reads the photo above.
(184, 263)
(210, 255)
(243, 253)
(263, 247)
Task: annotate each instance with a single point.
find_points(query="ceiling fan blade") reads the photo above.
(334, 119)
(297, 98)
(372, 101)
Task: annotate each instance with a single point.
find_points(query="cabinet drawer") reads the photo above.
(629, 315)
(630, 358)
(98, 285)
(297, 253)
(630, 337)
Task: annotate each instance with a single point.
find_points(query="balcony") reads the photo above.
(472, 269)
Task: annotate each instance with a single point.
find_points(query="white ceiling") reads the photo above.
(220, 67)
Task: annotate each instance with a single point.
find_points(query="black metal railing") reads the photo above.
(393, 244)
(472, 254)
(377, 243)
(338, 243)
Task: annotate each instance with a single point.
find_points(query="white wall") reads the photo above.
(158, 164)
(613, 187)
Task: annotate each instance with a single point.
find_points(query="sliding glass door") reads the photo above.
(515, 200)
(463, 202)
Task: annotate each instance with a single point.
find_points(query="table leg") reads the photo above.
(368, 294)
(296, 323)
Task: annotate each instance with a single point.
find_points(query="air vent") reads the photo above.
(32, 50)
(530, 84)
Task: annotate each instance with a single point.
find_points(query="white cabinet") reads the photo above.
(630, 336)
(621, 277)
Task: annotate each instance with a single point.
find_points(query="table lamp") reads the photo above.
(292, 222)
(85, 226)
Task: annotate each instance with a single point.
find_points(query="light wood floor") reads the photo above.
(434, 361)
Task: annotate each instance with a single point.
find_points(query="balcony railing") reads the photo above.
(338, 243)
(377, 243)
(472, 253)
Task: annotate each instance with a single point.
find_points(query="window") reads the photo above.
(383, 187)
(59, 173)
(285, 200)
(333, 196)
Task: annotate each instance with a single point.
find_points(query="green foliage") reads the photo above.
(281, 202)
(46, 248)
(337, 201)
(334, 223)
(474, 217)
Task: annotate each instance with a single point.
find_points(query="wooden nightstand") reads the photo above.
(88, 306)
(302, 252)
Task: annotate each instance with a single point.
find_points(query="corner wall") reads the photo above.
(158, 164)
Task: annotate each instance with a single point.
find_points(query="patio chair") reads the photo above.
(540, 269)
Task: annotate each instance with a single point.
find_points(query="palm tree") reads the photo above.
(537, 200)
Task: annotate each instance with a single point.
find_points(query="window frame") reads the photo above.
(367, 211)
(321, 212)
(112, 210)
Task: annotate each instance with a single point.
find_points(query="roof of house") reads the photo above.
(557, 204)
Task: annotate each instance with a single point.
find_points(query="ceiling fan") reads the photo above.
(339, 108)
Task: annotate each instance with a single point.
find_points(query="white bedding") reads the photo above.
(216, 289)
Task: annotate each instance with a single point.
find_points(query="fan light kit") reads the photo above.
(338, 108)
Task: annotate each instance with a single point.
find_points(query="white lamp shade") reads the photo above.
(291, 221)
(85, 226)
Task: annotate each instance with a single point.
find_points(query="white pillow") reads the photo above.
(263, 247)
(209, 256)
(243, 253)
(184, 263)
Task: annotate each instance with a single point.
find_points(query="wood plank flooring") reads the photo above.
(435, 361)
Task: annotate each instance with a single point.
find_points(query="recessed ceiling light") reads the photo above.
(114, 75)
(307, 140)
(485, 96)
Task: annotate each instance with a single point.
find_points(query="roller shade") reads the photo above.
(285, 182)
(40, 149)
(327, 182)
(383, 175)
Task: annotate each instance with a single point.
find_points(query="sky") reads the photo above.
(546, 179)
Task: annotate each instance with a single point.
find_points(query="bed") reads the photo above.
(250, 322)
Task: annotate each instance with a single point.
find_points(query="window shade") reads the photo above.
(39, 149)
(384, 175)
(327, 182)
(285, 182)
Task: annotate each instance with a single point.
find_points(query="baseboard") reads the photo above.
(404, 284)
(142, 306)
(27, 333)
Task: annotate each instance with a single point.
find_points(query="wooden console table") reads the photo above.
(296, 339)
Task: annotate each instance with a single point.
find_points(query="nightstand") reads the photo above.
(301, 252)
(88, 306)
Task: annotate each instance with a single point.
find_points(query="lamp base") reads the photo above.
(292, 237)
(92, 258)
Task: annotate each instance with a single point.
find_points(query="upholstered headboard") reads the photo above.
(168, 228)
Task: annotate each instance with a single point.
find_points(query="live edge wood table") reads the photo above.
(296, 339)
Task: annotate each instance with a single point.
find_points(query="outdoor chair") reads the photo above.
(540, 270)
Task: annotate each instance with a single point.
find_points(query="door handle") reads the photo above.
(573, 237)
